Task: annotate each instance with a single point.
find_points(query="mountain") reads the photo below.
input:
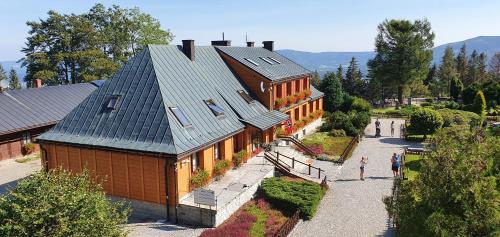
(7, 65)
(329, 61)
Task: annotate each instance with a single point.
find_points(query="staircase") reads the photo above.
(300, 145)
(296, 167)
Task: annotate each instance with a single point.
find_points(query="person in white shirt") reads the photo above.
(363, 162)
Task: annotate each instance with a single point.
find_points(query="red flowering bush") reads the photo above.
(240, 226)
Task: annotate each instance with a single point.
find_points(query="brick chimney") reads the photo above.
(250, 44)
(188, 48)
(221, 42)
(269, 45)
(38, 83)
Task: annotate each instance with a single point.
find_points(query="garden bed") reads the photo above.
(331, 146)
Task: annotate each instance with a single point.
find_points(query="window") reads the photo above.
(297, 86)
(215, 108)
(304, 110)
(305, 85)
(195, 161)
(297, 114)
(317, 104)
(274, 60)
(311, 107)
(267, 60)
(180, 116)
(217, 155)
(279, 91)
(252, 62)
(26, 137)
(245, 96)
(289, 88)
(113, 102)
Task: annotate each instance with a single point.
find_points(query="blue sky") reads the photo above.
(300, 25)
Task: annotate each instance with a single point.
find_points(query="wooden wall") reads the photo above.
(11, 145)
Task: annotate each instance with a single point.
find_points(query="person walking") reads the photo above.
(395, 164)
(363, 162)
(392, 128)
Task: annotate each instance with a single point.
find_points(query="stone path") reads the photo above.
(352, 207)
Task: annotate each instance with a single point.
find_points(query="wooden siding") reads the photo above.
(11, 145)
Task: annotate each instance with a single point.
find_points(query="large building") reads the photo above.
(26, 113)
(174, 109)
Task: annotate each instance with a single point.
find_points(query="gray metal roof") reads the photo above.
(160, 77)
(35, 107)
(266, 120)
(315, 93)
(275, 71)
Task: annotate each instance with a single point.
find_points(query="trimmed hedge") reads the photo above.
(290, 195)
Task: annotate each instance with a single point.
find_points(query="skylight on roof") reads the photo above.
(180, 116)
(267, 60)
(215, 108)
(252, 62)
(245, 96)
(113, 102)
(275, 60)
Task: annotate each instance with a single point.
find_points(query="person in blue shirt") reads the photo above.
(396, 161)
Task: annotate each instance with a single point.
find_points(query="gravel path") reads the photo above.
(352, 207)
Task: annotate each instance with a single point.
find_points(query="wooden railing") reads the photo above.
(299, 144)
(309, 166)
(288, 226)
(348, 149)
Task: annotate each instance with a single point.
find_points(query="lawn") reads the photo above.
(413, 163)
(332, 146)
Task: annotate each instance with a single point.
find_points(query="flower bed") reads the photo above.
(255, 218)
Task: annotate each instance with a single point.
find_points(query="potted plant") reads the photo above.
(199, 178)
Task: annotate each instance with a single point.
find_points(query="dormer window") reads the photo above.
(267, 60)
(275, 60)
(181, 117)
(245, 96)
(113, 102)
(218, 111)
(252, 62)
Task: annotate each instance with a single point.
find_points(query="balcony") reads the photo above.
(291, 100)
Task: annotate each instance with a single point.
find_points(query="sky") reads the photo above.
(306, 25)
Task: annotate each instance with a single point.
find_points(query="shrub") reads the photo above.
(360, 105)
(290, 195)
(240, 226)
(425, 121)
(425, 104)
(238, 157)
(470, 92)
(457, 117)
(199, 178)
(28, 148)
(337, 133)
(220, 167)
(60, 203)
(479, 104)
(279, 131)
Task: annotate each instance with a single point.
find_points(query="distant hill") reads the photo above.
(329, 61)
(7, 65)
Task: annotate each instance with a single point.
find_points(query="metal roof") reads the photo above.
(159, 77)
(266, 120)
(315, 93)
(275, 72)
(35, 107)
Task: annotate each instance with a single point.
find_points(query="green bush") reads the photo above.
(470, 92)
(221, 167)
(290, 195)
(60, 203)
(238, 157)
(28, 148)
(479, 104)
(199, 178)
(337, 133)
(457, 117)
(425, 121)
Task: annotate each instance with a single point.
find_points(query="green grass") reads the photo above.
(258, 227)
(24, 159)
(332, 146)
(413, 164)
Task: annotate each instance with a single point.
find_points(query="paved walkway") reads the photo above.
(12, 171)
(352, 207)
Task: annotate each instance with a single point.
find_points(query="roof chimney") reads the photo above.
(221, 42)
(188, 48)
(250, 43)
(269, 45)
(38, 83)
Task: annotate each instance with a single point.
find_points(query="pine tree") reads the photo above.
(462, 64)
(315, 79)
(340, 74)
(447, 69)
(495, 66)
(334, 95)
(481, 68)
(3, 76)
(456, 88)
(472, 69)
(14, 80)
(353, 83)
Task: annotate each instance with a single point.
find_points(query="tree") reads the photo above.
(404, 53)
(462, 64)
(3, 76)
(78, 48)
(479, 103)
(14, 80)
(456, 88)
(477, 68)
(495, 66)
(425, 121)
(470, 92)
(340, 73)
(334, 95)
(455, 192)
(316, 79)
(59, 203)
(353, 83)
(481, 68)
(416, 88)
(447, 69)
